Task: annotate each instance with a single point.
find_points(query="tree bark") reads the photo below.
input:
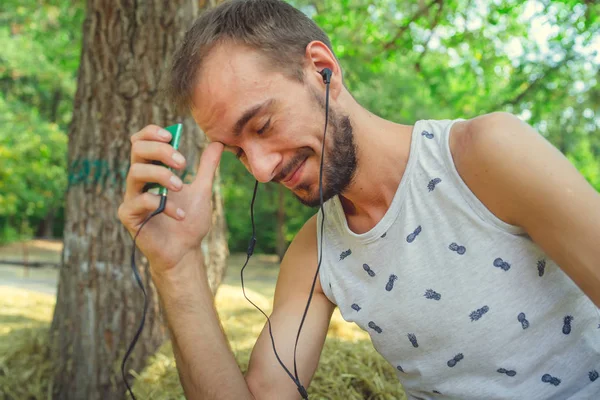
(126, 48)
(56, 98)
(46, 226)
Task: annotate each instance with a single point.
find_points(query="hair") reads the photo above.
(276, 29)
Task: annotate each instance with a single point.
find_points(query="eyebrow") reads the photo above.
(249, 114)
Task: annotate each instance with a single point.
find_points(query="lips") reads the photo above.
(294, 176)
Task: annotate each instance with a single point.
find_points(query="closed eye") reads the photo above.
(264, 128)
(240, 153)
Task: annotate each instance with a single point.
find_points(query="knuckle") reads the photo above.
(165, 174)
(133, 173)
(139, 135)
(152, 128)
(121, 212)
(135, 170)
(148, 200)
(165, 150)
(135, 147)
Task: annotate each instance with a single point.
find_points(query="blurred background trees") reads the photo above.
(402, 59)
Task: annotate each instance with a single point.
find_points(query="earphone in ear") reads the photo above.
(326, 74)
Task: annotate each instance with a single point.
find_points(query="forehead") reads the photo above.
(233, 78)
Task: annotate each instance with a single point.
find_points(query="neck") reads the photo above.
(382, 152)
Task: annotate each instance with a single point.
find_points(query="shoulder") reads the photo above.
(488, 152)
(307, 235)
(482, 133)
(304, 244)
(299, 265)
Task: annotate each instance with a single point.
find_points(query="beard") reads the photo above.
(340, 161)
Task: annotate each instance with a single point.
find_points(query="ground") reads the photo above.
(260, 274)
(349, 368)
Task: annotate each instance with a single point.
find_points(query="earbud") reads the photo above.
(326, 74)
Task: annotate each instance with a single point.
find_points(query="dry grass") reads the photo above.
(25, 368)
(349, 368)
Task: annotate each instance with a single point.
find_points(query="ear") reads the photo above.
(318, 57)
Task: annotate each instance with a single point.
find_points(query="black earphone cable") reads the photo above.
(295, 378)
(163, 201)
(161, 208)
(312, 289)
(249, 253)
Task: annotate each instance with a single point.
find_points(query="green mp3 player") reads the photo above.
(175, 131)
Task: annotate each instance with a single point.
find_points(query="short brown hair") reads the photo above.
(278, 30)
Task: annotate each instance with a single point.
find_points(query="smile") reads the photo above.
(294, 177)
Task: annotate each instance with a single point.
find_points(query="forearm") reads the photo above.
(206, 366)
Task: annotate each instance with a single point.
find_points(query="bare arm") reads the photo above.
(206, 365)
(207, 368)
(527, 182)
(265, 376)
(171, 242)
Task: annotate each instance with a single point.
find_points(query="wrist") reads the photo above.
(189, 268)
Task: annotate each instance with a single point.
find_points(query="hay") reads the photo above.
(25, 367)
(349, 369)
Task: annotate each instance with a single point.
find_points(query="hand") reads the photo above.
(187, 217)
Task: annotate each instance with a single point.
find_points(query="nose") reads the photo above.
(261, 162)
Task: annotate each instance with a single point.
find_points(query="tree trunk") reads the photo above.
(126, 47)
(56, 98)
(46, 226)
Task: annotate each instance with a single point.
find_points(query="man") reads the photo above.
(468, 249)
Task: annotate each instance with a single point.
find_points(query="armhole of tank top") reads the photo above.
(324, 276)
(472, 200)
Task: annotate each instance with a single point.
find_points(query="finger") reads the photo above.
(133, 212)
(140, 174)
(146, 151)
(152, 132)
(209, 161)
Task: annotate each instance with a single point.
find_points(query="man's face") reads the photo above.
(274, 123)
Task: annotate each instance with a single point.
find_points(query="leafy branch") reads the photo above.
(535, 83)
(421, 12)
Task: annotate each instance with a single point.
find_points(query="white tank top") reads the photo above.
(462, 304)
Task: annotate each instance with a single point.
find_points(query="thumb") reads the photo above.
(209, 161)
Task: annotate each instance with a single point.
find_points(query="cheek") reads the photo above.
(293, 134)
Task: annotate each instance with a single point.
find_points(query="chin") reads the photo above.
(309, 195)
(307, 191)
(308, 200)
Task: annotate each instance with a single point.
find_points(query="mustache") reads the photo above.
(302, 155)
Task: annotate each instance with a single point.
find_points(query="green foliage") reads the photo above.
(540, 60)
(33, 175)
(40, 43)
(403, 60)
